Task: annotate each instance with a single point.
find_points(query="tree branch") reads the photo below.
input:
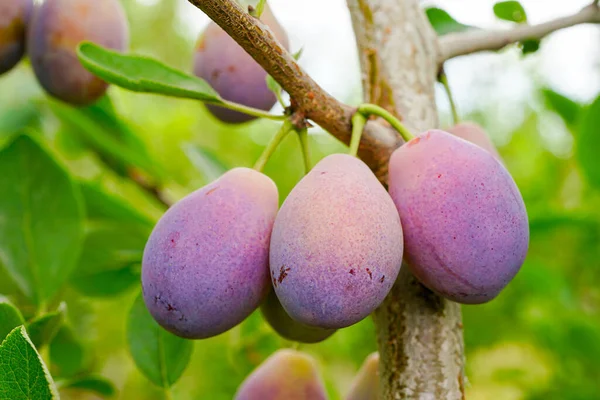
(378, 141)
(459, 44)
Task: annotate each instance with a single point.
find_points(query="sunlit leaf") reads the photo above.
(443, 23)
(510, 11)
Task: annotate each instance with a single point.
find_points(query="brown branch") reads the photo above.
(459, 44)
(378, 141)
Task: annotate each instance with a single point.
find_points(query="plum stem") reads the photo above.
(304, 146)
(443, 78)
(248, 110)
(286, 128)
(359, 120)
(372, 109)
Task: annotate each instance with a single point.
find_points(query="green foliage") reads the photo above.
(443, 23)
(144, 74)
(67, 353)
(41, 213)
(569, 110)
(10, 317)
(42, 329)
(23, 375)
(95, 384)
(160, 355)
(510, 11)
(588, 143)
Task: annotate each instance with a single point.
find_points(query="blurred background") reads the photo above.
(540, 339)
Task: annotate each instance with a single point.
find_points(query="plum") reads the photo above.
(285, 375)
(14, 17)
(366, 383)
(58, 26)
(336, 247)
(205, 265)
(232, 72)
(474, 133)
(466, 231)
(286, 327)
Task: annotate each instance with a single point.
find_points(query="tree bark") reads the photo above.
(419, 333)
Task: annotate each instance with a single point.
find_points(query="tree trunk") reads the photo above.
(419, 333)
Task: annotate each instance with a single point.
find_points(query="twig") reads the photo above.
(459, 44)
(378, 141)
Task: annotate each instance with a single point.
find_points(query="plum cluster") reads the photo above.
(330, 255)
(49, 33)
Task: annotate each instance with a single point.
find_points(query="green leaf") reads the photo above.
(569, 110)
(276, 87)
(10, 317)
(588, 143)
(111, 259)
(67, 353)
(101, 205)
(443, 23)
(144, 74)
(529, 46)
(260, 7)
(104, 142)
(161, 356)
(92, 383)
(16, 118)
(41, 219)
(510, 11)
(43, 329)
(23, 375)
(206, 161)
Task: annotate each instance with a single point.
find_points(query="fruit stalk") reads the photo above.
(286, 128)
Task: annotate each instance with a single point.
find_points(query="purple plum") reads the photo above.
(337, 245)
(285, 375)
(57, 28)
(14, 17)
(474, 133)
(366, 383)
(286, 327)
(232, 72)
(205, 265)
(466, 231)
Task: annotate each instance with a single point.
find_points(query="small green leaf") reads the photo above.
(588, 143)
(92, 383)
(276, 87)
(569, 110)
(144, 74)
(111, 259)
(23, 375)
(260, 7)
(443, 23)
(10, 317)
(100, 205)
(41, 219)
(510, 11)
(43, 329)
(67, 353)
(161, 356)
(529, 46)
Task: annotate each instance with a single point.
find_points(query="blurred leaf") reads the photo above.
(275, 87)
(67, 353)
(10, 317)
(206, 161)
(530, 46)
(511, 11)
(260, 7)
(588, 143)
(107, 144)
(161, 356)
(443, 23)
(15, 119)
(144, 74)
(92, 383)
(41, 219)
(23, 375)
(43, 329)
(569, 110)
(103, 206)
(109, 263)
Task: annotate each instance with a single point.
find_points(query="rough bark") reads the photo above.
(419, 333)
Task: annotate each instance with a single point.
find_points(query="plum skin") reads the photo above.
(205, 265)
(336, 247)
(14, 17)
(465, 223)
(58, 26)
(233, 73)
